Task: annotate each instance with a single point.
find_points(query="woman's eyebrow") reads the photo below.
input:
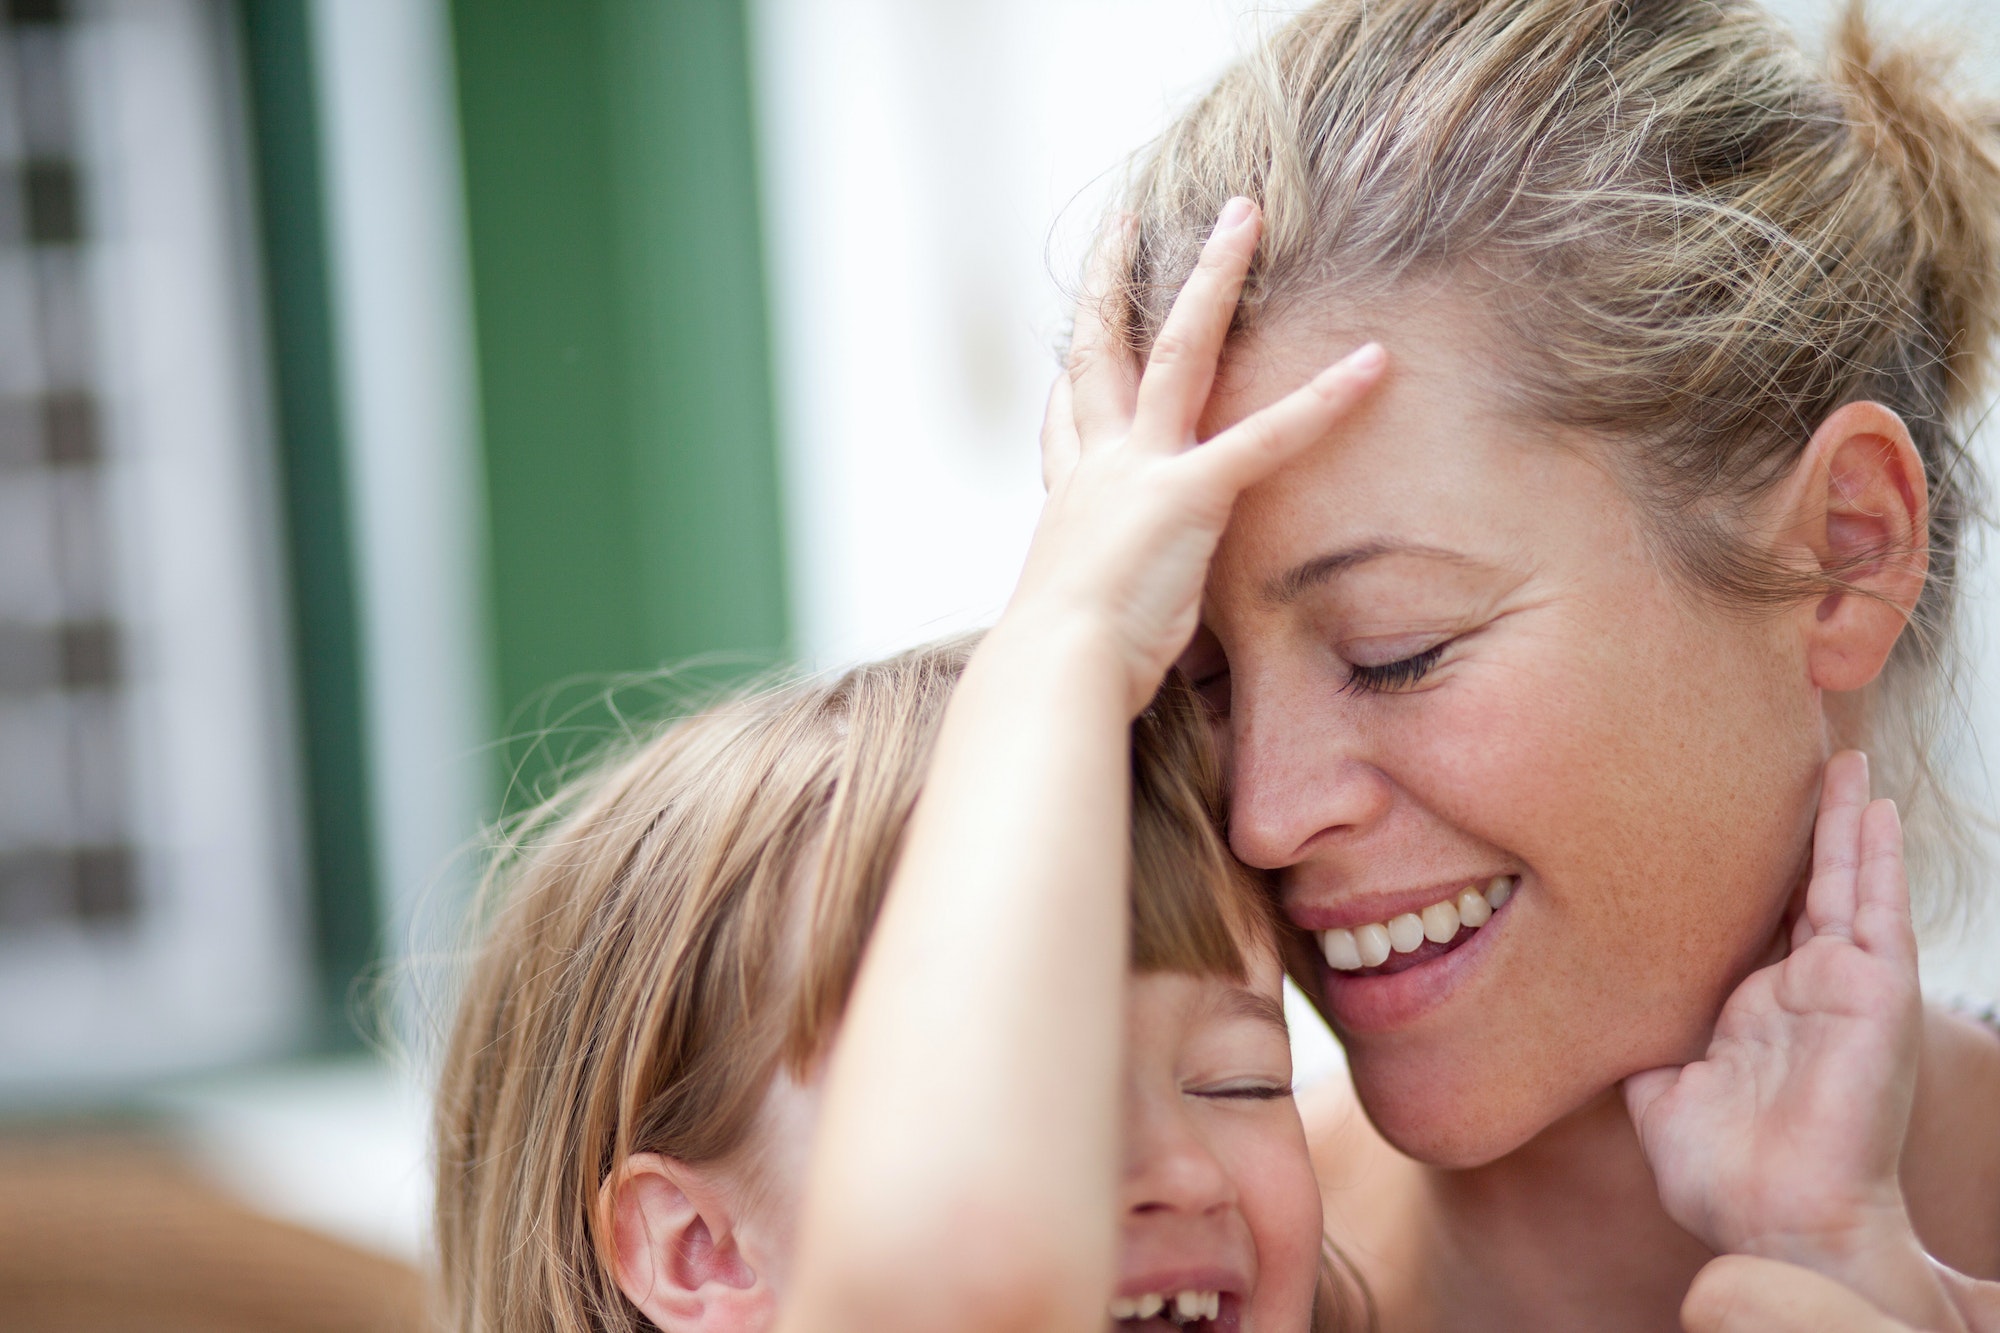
(1297, 580)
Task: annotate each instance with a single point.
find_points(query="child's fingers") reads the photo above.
(1103, 374)
(1882, 908)
(1181, 369)
(1830, 898)
(1262, 442)
(1740, 1294)
(1643, 1089)
(1060, 445)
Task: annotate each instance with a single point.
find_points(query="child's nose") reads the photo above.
(1171, 1168)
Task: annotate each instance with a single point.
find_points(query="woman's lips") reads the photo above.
(1389, 988)
(1406, 939)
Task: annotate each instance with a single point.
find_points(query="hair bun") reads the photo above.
(1941, 155)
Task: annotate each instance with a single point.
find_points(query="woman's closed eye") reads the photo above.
(1402, 674)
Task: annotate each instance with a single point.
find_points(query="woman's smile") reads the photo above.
(1383, 975)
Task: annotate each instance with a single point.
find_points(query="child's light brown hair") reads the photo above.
(678, 928)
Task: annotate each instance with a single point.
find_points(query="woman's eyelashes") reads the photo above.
(1388, 677)
(1207, 671)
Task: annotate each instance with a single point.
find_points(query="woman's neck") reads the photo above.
(1566, 1232)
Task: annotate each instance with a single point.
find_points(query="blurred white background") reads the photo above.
(930, 169)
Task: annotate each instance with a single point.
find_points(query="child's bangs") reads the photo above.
(1195, 908)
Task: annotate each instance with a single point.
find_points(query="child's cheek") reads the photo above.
(1281, 1203)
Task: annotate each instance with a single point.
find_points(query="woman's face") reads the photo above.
(1448, 657)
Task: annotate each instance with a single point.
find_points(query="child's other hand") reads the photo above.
(1737, 1294)
(1136, 504)
(1784, 1140)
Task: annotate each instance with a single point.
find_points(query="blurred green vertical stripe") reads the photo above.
(285, 142)
(619, 306)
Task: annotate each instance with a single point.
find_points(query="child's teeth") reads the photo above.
(1183, 1307)
(1370, 945)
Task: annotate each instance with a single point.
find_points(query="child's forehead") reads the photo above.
(1163, 1002)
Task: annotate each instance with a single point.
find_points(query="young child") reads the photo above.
(753, 1045)
(640, 1056)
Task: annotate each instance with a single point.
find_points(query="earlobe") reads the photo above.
(1859, 504)
(677, 1248)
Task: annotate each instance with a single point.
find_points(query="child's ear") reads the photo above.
(676, 1239)
(1858, 502)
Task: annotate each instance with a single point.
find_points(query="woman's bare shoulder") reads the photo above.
(1952, 1162)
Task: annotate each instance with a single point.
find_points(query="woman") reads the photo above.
(1529, 673)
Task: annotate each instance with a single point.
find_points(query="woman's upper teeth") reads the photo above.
(1370, 945)
(1180, 1306)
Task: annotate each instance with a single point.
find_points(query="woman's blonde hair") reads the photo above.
(677, 928)
(1698, 243)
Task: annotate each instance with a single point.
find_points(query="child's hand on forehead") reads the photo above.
(1785, 1139)
(1135, 508)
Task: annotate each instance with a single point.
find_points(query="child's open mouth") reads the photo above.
(1382, 948)
(1176, 1312)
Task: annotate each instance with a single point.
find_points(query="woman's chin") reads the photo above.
(1443, 1121)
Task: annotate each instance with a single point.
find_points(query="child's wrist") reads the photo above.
(1074, 653)
(1877, 1254)
(1075, 649)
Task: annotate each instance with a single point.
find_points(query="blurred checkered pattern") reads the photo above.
(64, 820)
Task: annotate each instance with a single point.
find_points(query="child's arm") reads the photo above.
(1738, 1294)
(1978, 1303)
(965, 1170)
(1784, 1141)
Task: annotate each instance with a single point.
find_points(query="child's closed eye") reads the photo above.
(1260, 1089)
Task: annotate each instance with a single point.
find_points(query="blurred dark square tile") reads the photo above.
(54, 202)
(89, 655)
(103, 883)
(71, 425)
(13, 230)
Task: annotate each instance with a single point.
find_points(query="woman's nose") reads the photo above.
(1296, 774)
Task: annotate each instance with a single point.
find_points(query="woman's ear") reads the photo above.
(677, 1242)
(1859, 505)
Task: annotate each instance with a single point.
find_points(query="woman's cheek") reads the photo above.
(1654, 861)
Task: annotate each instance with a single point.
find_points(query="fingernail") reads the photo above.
(1234, 214)
(1362, 361)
